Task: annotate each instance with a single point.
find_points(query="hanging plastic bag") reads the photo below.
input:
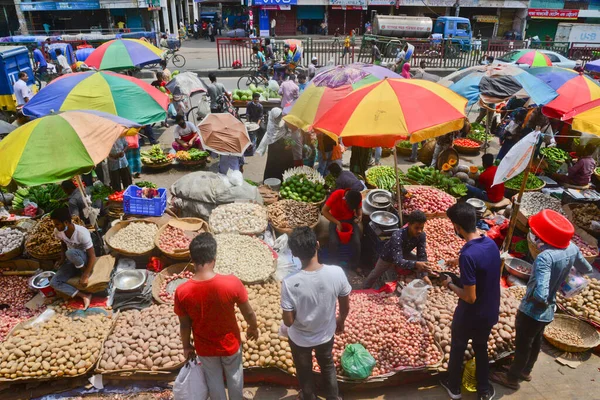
(190, 383)
(574, 284)
(413, 298)
(357, 362)
(287, 264)
(469, 379)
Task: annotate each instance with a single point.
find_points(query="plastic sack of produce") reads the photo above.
(190, 383)
(413, 298)
(287, 264)
(357, 362)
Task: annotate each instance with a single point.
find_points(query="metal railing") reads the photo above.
(326, 50)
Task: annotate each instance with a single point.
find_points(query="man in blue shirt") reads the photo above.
(479, 301)
(550, 269)
(41, 66)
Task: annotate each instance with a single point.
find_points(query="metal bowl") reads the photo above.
(129, 280)
(42, 280)
(478, 204)
(379, 198)
(512, 263)
(384, 218)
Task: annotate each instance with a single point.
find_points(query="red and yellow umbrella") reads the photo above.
(382, 113)
(574, 89)
(313, 103)
(584, 118)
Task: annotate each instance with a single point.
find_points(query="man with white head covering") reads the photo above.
(279, 142)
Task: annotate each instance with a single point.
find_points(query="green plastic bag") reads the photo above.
(357, 362)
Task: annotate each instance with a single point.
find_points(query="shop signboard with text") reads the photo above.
(348, 4)
(61, 5)
(275, 3)
(550, 13)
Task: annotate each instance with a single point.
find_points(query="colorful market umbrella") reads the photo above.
(106, 91)
(456, 76)
(593, 66)
(329, 87)
(574, 89)
(584, 118)
(358, 74)
(224, 134)
(533, 58)
(57, 147)
(501, 82)
(392, 109)
(120, 54)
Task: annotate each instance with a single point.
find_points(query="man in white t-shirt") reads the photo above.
(77, 258)
(186, 135)
(308, 299)
(22, 92)
(64, 67)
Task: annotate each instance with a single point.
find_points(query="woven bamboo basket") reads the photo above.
(12, 254)
(164, 274)
(467, 150)
(116, 228)
(180, 255)
(404, 151)
(158, 166)
(591, 338)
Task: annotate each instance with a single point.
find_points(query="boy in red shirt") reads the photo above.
(205, 306)
(344, 205)
(486, 191)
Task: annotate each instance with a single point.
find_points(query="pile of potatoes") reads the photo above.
(146, 340)
(586, 304)
(439, 312)
(62, 346)
(270, 349)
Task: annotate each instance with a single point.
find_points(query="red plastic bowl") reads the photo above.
(346, 233)
(552, 228)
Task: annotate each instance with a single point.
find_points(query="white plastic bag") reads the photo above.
(190, 383)
(235, 177)
(413, 299)
(287, 264)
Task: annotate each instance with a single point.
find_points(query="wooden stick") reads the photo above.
(398, 191)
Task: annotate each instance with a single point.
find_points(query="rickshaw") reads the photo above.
(13, 59)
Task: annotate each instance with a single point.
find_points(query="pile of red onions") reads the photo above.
(172, 239)
(377, 321)
(15, 293)
(586, 249)
(164, 294)
(442, 242)
(427, 199)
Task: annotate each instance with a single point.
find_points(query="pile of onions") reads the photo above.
(586, 249)
(377, 321)
(427, 199)
(164, 294)
(173, 238)
(15, 293)
(442, 242)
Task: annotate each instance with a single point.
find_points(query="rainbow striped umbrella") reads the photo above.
(120, 54)
(533, 58)
(381, 113)
(57, 147)
(106, 91)
(573, 88)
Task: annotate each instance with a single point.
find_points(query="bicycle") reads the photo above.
(253, 77)
(43, 79)
(177, 59)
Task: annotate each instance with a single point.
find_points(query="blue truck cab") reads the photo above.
(13, 59)
(458, 27)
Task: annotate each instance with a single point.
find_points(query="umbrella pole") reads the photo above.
(488, 126)
(398, 191)
(517, 206)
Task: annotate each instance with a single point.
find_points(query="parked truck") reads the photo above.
(583, 35)
(457, 29)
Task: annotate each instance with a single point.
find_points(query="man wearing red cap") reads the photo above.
(550, 269)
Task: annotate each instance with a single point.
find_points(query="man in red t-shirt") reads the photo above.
(205, 306)
(344, 205)
(486, 191)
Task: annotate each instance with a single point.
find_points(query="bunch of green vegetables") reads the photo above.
(146, 184)
(47, 197)
(100, 192)
(533, 182)
(480, 136)
(430, 176)
(383, 177)
(555, 157)
(406, 144)
(154, 156)
(251, 182)
(196, 154)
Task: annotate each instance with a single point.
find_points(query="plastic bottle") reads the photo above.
(469, 381)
